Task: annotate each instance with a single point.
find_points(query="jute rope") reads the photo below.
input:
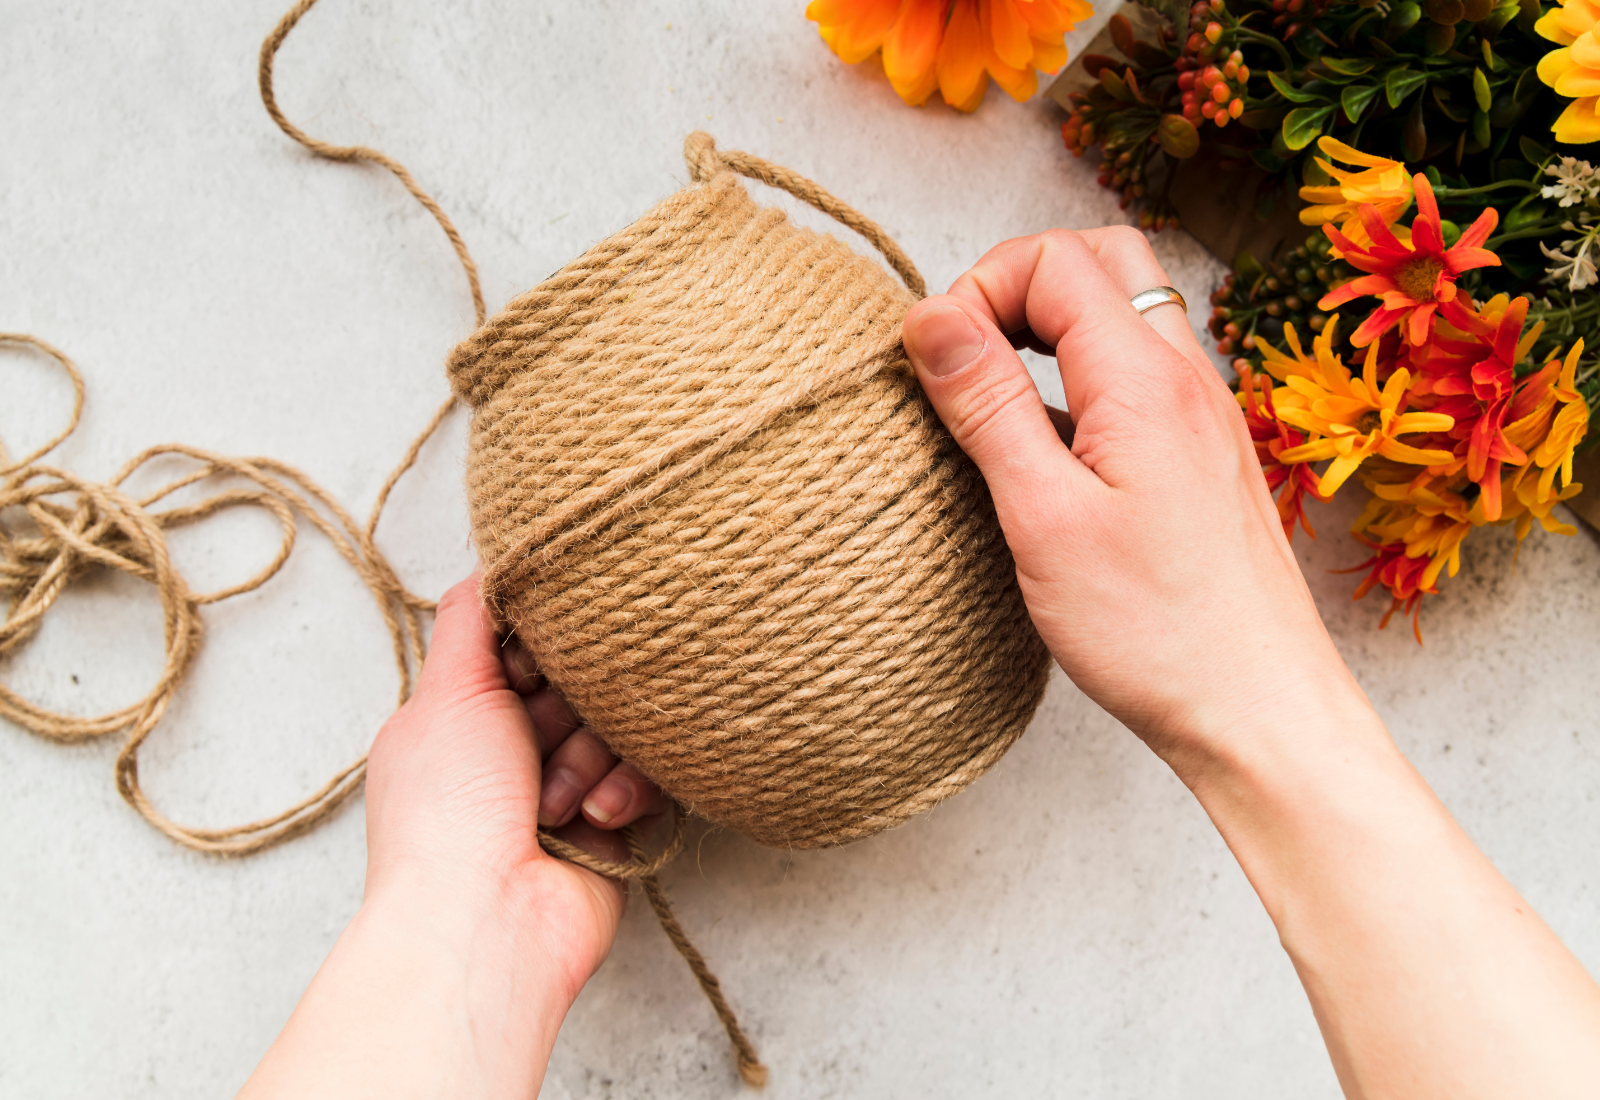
(78, 524)
(719, 512)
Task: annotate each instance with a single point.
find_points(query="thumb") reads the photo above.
(983, 393)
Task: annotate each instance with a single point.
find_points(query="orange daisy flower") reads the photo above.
(1411, 280)
(953, 46)
(1379, 181)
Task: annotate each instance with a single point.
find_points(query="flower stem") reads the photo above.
(1464, 192)
(1268, 40)
(1537, 230)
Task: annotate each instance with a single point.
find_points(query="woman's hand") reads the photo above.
(471, 942)
(1155, 568)
(1149, 550)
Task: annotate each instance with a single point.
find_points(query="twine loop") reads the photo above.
(78, 524)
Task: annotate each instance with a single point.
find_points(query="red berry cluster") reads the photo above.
(1212, 81)
(1213, 93)
(1291, 15)
(1201, 47)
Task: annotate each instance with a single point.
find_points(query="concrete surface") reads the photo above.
(1071, 926)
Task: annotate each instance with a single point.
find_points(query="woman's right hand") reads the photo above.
(1153, 563)
(1149, 551)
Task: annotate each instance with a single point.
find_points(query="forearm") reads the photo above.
(420, 997)
(1428, 973)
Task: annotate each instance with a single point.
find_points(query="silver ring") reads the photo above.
(1146, 300)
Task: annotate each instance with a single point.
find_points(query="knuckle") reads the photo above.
(1063, 240)
(1127, 238)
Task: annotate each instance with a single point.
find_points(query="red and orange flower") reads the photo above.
(1411, 280)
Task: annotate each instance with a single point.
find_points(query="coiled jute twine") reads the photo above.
(710, 499)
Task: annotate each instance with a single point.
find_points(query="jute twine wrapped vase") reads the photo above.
(719, 512)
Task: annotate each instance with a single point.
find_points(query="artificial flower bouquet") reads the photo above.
(1429, 344)
(1432, 145)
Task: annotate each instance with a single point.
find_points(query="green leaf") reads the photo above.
(1177, 137)
(1480, 89)
(1414, 135)
(1303, 125)
(1266, 203)
(1532, 152)
(1524, 216)
(1528, 85)
(1356, 98)
(1400, 83)
(1247, 267)
(1263, 118)
(1402, 17)
(1346, 68)
(1114, 84)
(1489, 58)
(1290, 92)
(1267, 160)
(1503, 13)
(1441, 99)
(1480, 128)
(1307, 45)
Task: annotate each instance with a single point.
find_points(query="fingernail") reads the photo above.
(558, 797)
(524, 674)
(606, 801)
(943, 341)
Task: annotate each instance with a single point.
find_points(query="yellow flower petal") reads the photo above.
(1409, 422)
(1548, 26)
(1338, 472)
(1579, 124)
(1417, 456)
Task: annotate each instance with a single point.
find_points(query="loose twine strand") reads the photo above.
(78, 524)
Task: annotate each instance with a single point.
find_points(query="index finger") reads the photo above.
(1057, 284)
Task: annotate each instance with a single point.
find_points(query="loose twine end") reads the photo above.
(643, 868)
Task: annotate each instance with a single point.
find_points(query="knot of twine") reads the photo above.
(75, 524)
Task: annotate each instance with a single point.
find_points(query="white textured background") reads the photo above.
(1071, 926)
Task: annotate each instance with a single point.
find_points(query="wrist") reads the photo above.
(426, 993)
(485, 938)
(1311, 773)
(1269, 699)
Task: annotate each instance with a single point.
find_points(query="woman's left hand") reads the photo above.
(471, 942)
